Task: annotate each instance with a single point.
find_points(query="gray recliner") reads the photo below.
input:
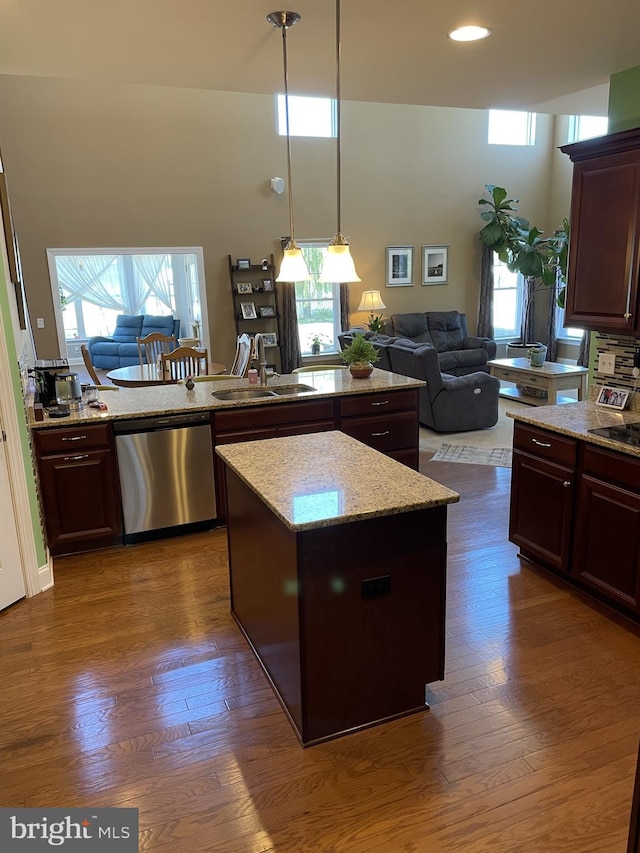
(447, 403)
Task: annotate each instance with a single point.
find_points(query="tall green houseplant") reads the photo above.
(541, 260)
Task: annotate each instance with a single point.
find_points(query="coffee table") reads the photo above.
(551, 377)
(139, 376)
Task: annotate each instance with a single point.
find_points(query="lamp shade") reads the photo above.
(293, 266)
(338, 265)
(371, 301)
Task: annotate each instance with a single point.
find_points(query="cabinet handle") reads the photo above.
(627, 316)
(76, 458)
(540, 443)
(74, 438)
(381, 403)
(378, 434)
(566, 484)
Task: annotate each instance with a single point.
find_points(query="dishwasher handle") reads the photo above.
(134, 425)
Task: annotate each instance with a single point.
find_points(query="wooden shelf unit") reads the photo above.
(263, 296)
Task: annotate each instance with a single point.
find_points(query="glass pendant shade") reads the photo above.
(293, 266)
(338, 264)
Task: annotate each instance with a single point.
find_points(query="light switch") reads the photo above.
(40, 322)
(607, 363)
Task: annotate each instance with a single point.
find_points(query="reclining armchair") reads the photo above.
(448, 403)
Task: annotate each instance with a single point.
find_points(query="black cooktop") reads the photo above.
(626, 433)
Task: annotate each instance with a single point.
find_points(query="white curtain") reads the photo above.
(153, 270)
(88, 278)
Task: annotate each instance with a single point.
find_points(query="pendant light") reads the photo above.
(293, 266)
(338, 264)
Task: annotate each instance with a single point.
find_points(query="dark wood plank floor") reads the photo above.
(128, 684)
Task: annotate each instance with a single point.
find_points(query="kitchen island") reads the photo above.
(575, 500)
(337, 561)
(76, 455)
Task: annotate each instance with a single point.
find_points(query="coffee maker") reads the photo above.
(44, 373)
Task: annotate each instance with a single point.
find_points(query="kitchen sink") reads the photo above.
(243, 394)
(298, 388)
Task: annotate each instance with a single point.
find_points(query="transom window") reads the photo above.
(511, 127)
(587, 127)
(307, 116)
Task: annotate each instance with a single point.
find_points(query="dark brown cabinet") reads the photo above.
(79, 486)
(386, 422)
(542, 490)
(606, 553)
(604, 249)
(575, 508)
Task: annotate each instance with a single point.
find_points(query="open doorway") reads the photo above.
(91, 287)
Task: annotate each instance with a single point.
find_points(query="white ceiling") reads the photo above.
(539, 52)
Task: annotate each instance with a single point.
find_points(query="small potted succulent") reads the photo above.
(360, 355)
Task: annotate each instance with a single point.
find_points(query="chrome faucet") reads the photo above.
(260, 352)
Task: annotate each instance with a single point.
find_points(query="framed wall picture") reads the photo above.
(267, 311)
(243, 263)
(399, 266)
(614, 398)
(248, 310)
(244, 287)
(270, 339)
(435, 264)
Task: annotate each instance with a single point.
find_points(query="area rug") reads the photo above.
(500, 456)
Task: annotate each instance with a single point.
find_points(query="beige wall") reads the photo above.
(109, 165)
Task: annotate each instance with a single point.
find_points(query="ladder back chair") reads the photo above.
(240, 364)
(153, 345)
(93, 376)
(183, 362)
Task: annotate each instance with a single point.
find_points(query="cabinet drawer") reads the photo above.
(71, 440)
(373, 404)
(274, 415)
(545, 444)
(612, 467)
(385, 432)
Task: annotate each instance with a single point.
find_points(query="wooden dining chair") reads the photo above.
(240, 364)
(151, 347)
(93, 376)
(183, 362)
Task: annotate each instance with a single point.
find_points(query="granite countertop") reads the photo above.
(335, 480)
(576, 419)
(175, 399)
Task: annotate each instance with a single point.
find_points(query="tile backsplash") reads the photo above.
(623, 349)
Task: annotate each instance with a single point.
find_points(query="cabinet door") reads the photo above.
(607, 541)
(541, 509)
(602, 287)
(81, 502)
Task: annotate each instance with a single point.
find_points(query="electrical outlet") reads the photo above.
(607, 363)
(40, 322)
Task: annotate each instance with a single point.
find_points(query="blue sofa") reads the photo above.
(121, 349)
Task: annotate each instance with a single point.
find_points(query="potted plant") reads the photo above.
(360, 355)
(376, 323)
(542, 261)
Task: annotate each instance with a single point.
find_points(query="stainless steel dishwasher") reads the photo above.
(166, 475)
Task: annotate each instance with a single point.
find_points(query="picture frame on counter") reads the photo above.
(248, 310)
(613, 398)
(435, 264)
(399, 266)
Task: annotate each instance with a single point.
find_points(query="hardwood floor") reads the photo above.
(128, 684)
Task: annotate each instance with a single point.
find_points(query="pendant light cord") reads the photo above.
(338, 110)
(286, 115)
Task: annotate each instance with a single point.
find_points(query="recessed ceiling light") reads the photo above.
(469, 33)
